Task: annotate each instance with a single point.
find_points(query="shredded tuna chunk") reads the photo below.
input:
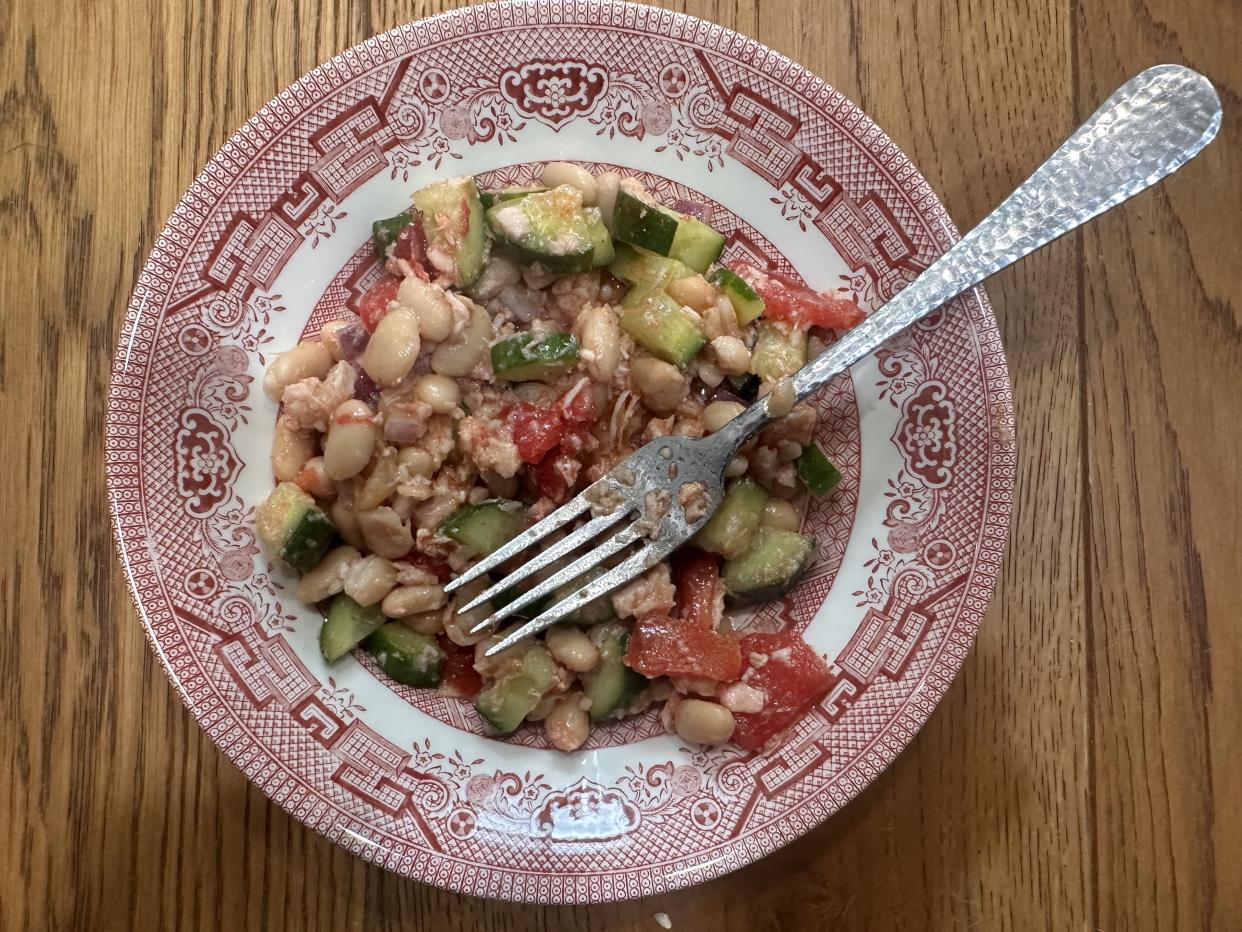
(738, 697)
(489, 443)
(650, 593)
(308, 404)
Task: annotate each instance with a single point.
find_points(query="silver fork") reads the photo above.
(1150, 127)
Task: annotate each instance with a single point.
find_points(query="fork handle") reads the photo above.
(1151, 126)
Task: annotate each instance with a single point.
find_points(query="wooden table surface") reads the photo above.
(1084, 772)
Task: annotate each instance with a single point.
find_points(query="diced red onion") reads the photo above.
(365, 388)
(724, 392)
(353, 340)
(401, 428)
(700, 391)
(520, 303)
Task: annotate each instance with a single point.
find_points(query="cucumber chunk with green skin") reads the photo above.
(729, 531)
(486, 526)
(348, 624)
(548, 229)
(385, 232)
(779, 350)
(293, 526)
(816, 471)
(746, 304)
(769, 568)
(452, 218)
(405, 655)
(506, 703)
(612, 686)
(666, 232)
(491, 198)
(637, 266)
(601, 239)
(594, 612)
(663, 328)
(534, 356)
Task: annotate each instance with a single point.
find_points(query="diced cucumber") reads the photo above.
(637, 266)
(771, 565)
(534, 356)
(729, 531)
(663, 328)
(506, 703)
(405, 655)
(491, 198)
(779, 350)
(612, 686)
(660, 230)
(594, 612)
(348, 624)
(746, 304)
(601, 239)
(745, 386)
(816, 471)
(385, 232)
(547, 229)
(452, 218)
(292, 525)
(486, 526)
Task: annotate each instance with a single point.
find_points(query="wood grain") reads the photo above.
(1082, 772)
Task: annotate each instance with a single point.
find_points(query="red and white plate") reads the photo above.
(273, 237)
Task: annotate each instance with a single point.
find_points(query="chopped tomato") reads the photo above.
(556, 473)
(790, 300)
(581, 407)
(793, 678)
(700, 596)
(536, 431)
(433, 565)
(410, 244)
(374, 304)
(458, 677)
(663, 646)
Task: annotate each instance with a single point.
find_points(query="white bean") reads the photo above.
(439, 392)
(345, 518)
(411, 600)
(304, 361)
(431, 305)
(370, 579)
(457, 624)
(415, 461)
(313, 478)
(290, 451)
(783, 398)
(732, 356)
(606, 186)
(661, 385)
(693, 291)
(350, 442)
(719, 413)
(599, 333)
(330, 337)
(780, 515)
(737, 467)
(556, 174)
(385, 533)
(572, 648)
(328, 578)
(709, 373)
(393, 348)
(458, 357)
(702, 722)
(567, 725)
(429, 623)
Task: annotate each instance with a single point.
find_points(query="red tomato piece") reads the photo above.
(663, 646)
(793, 678)
(700, 596)
(536, 431)
(790, 300)
(433, 565)
(556, 474)
(410, 243)
(374, 304)
(458, 677)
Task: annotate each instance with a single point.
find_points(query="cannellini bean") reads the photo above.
(313, 478)
(290, 451)
(599, 333)
(350, 442)
(393, 348)
(783, 398)
(567, 725)
(606, 186)
(719, 413)
(429, 302)
(429, 623)
(458, 357)
(329, 336)
(304, 361)
(345, 518)
(411, 600)
(416, 462)
(328, 578)
(556, 174)
(702, 722)
(439, 392)
(543, 708)
(572, 648)
(780, 515)
(709, 373)
(787, 451)
(370, 579)
(737, 467)
(660, 384)
(385, 533)
(693, 291)
(732, 356)
(457, 624)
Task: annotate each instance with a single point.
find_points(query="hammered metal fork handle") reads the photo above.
(1152, 125)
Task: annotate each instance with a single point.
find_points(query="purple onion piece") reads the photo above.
(402, 429)
(365, 388)
(724, 392)
(353, 340)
